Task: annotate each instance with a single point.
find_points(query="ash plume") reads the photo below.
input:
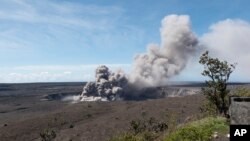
(107, 86)
(160, 62)
(150, 69)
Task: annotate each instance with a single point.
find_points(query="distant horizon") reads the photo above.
(171, 83)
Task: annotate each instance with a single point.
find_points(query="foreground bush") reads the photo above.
(48, 135)
(150, 125)
(208, 109)
(145, 136)
(201, 130)
(142, 130)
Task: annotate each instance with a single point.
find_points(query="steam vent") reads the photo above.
(240, 110)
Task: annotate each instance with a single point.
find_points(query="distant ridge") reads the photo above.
(172, 83)
(199, 83)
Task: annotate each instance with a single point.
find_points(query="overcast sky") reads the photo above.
(57, 40)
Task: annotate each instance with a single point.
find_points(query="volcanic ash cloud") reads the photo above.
(153, 68)
(107, 86)
(160, 62)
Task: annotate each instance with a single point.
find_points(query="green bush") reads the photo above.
(208, 109)
(145, 136)
(242, 91)
(142, 130)
(200, 130)
(48, 135)
(150, 125)
(124, 137)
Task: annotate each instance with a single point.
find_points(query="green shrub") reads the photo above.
(208, 109)
(145, 136)
(200, 130)
(142, 130)
(242, 91)
(48, 135)
(124, 137)
(150, 125)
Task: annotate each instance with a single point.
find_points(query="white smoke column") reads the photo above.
(153, 68)
(159, 63)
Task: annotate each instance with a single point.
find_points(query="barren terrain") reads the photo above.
(25, 112)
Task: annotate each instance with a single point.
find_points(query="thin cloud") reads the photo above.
(57, 73)
(64, 67)
(59, 13)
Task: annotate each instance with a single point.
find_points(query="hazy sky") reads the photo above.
(57, 40)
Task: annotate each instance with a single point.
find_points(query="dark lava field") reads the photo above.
(28, 109)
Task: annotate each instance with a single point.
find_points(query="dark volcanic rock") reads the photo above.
(240, 110)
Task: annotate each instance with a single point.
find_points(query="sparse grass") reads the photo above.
(88, 115)
(208, 109)
(145, 136)
(201, 130)
(172, 121)
(242, 91)
(142, 130)
(89, 106)
(48, 135)
(150, 125)
(124, 137)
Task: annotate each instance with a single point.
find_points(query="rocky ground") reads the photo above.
(24, 113)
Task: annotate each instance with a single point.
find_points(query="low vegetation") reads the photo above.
(214, 119)
(150, 125)
(242, 91)
(201, 130)
(208, 109)
(142, 130)
(48, 135)
(146, 136)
